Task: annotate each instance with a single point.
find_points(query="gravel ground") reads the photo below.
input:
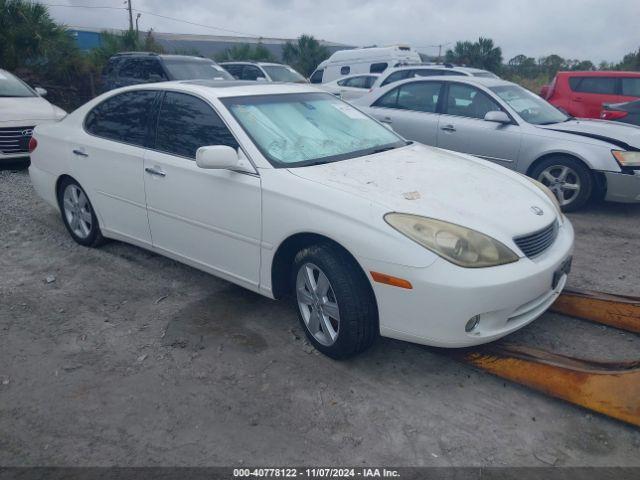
(117, 356)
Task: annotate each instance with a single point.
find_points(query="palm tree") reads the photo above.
(305, 54)
(480, 54)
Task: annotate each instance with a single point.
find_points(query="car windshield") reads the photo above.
(529, 106)
(309, 128)
(195, 70)
(11, 86)
(283, 73)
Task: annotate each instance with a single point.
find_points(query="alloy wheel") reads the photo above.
(318, 304)
(563, 181)
(77, 211)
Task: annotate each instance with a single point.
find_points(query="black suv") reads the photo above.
(132, 68)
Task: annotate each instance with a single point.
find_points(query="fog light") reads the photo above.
(472, 323)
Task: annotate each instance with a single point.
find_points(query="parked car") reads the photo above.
(350, 87)
(361, 61)
(263, 71)
(628, 112)
(21, 109)
(506, 124)
(132, 68)
(403, 72)
(292, 190)
(582, 94)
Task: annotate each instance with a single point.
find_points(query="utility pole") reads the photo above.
(130, 15)
(137, 18)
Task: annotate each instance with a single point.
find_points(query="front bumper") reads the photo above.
(623, 187)
(445, 297)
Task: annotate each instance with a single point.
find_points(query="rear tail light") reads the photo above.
(33, 143)
(613, 114)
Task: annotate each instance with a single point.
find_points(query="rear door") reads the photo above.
(462, 127)
(107, 161)
(208, 218)
(588, 93)
(411, 110)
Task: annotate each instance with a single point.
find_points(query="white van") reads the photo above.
(362, 60)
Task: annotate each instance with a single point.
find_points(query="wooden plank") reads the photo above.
(619, 311)
(609, 388)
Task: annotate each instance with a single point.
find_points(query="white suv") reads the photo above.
(263, 71)
(402, 72)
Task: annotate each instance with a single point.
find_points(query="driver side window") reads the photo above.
(468, 101)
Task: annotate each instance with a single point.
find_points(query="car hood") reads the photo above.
(623, 135)
(14, 109)
(441, 184)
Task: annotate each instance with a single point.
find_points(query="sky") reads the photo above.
(593, 30)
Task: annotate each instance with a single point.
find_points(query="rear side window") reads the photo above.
(631, 86)
(123, 118)
(599, 85)
(235, 70)
(187, 123)
(317, 76)
(249, 72)
(396, 76)
(345, 70)
(418, 96)
(354, 82)
(378, 67)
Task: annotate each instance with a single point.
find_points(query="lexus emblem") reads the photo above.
(537, 210)
(27, 133)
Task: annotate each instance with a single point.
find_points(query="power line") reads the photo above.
(153, 15)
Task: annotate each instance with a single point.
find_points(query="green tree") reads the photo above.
(480, 54)
(29, 35)
(305, 54)
(245, 51)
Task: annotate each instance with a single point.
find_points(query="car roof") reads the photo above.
(229, 88)
(160, 55)
(249, 62)
(599, 73)
(483, 81)
(435, 66)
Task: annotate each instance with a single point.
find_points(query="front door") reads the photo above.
(411, 110)
(208, 218)
(462, 127)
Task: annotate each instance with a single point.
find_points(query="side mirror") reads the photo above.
(497, 117)
(218, 157)
(261, 79)
(41, 91)
(154, 77)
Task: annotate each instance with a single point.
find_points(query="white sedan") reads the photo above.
(351, 87)
(21, 109)
(286, 190)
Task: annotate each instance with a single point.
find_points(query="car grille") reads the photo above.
(15, 139)
(536, 243)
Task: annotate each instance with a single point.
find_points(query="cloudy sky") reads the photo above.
(586, 29)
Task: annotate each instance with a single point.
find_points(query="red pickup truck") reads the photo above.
(581, 94)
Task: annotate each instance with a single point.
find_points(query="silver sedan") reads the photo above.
(507, 124)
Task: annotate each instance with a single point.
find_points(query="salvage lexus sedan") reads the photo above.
(289, 191)
(506, 124)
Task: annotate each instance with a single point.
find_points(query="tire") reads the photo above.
(559, 172)
(349, 294)
(78, 214)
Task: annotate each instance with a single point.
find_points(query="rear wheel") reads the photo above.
(78, 214)
(335, 303)
(569, 180)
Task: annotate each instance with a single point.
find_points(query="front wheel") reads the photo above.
(569, 180)
(335, 303)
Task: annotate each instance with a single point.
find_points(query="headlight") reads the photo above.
(550, 195)
(459, 245)
(627, 159)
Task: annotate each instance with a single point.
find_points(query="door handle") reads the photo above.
(448, 128)
(80, 153)
(155, 171)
